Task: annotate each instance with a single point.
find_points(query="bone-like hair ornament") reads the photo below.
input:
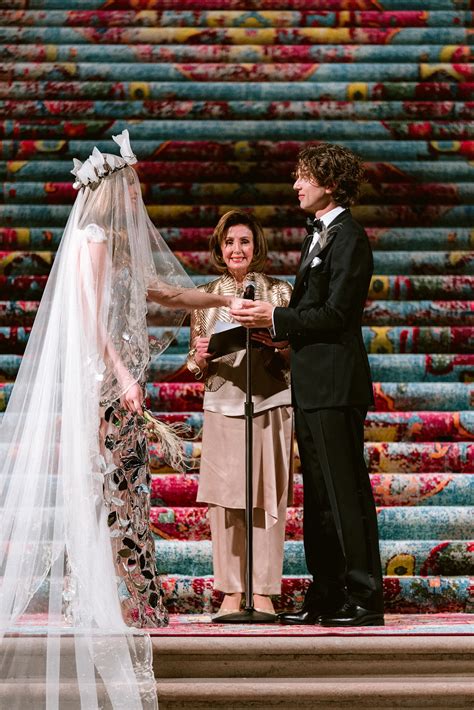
(99, 165)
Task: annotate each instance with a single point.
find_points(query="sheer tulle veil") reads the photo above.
(63, 639)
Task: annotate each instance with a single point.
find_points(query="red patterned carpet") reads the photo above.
(448, 624)
(395, 625)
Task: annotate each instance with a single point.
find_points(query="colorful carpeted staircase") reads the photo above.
(218, 97)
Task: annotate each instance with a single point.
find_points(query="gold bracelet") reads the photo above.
(192, 365)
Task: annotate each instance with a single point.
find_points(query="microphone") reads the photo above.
(249, 290)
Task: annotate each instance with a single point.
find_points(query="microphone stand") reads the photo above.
(249, 615)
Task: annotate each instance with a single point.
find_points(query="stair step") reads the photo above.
(389, 489)
(419, 426)
(380, 426)
(24, 275)
(397, 368)
(397, 115)
(236, 17)
(377, 340)
(399, 557)
(409, 239)
(401, 278)
(13, 339)
(419, 457)
(384, 368)
(411, 594)
(312, 657)
(265, 693)
(266, 670)
(390, 313)
(406, 339)
(223, 148)
(381, 457)
(403, 595)
(108, 53)
(263, 171)
(375, 215)
(36, 695)
(241, 193)
(449, 24)
(231, 83)
(430, 490)
(397, 523)
(389, 396)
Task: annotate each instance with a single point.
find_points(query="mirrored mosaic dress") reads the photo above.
(127, 485)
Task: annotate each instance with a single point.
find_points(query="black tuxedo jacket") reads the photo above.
(329, 364)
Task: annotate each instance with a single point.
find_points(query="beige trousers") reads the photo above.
(228, 551)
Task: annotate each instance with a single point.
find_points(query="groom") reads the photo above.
(332, 390)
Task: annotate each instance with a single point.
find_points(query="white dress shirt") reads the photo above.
(326, 219)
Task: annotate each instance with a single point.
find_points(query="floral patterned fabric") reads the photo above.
(127, 485)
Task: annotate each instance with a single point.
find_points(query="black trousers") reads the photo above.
(340, 521)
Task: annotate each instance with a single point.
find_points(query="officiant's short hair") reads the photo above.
(330, 165)
(232, 219)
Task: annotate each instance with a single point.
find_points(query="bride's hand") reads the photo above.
(236, 303)
(132, 399)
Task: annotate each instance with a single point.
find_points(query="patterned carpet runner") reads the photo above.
(218, 97)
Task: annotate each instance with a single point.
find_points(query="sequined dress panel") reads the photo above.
(127, 485)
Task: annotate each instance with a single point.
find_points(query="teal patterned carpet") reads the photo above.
(219, 97)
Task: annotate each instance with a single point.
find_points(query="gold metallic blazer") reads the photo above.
(203, 323)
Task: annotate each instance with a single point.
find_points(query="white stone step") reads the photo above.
(376, 693)
(273, 656)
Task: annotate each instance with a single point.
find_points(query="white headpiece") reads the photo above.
(99, 165)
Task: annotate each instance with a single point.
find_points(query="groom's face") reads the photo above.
(312, 197)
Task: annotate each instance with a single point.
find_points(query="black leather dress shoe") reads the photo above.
(352, 615)
(304, 616)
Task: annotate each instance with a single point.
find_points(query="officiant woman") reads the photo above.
(238, 251)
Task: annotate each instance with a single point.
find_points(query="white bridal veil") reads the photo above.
(63, 641)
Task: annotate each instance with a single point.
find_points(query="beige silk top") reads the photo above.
(225, 377)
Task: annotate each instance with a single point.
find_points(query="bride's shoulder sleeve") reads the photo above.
(94, 233)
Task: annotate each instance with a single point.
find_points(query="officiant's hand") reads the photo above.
(254, 314)
(202, 354)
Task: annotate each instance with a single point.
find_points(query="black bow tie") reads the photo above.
(314, 225)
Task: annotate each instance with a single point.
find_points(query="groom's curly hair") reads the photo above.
(330, 165)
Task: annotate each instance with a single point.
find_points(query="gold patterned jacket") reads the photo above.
(203, 323)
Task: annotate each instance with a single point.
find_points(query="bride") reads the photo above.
(77, 559)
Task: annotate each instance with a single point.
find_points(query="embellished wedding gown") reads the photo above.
(76, 551)
(127, 485)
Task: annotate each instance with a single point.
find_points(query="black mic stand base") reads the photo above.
(247, 616)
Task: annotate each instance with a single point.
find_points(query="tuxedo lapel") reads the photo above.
(307, 254)
(304, 249)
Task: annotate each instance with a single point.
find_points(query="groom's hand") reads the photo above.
(254, 314)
